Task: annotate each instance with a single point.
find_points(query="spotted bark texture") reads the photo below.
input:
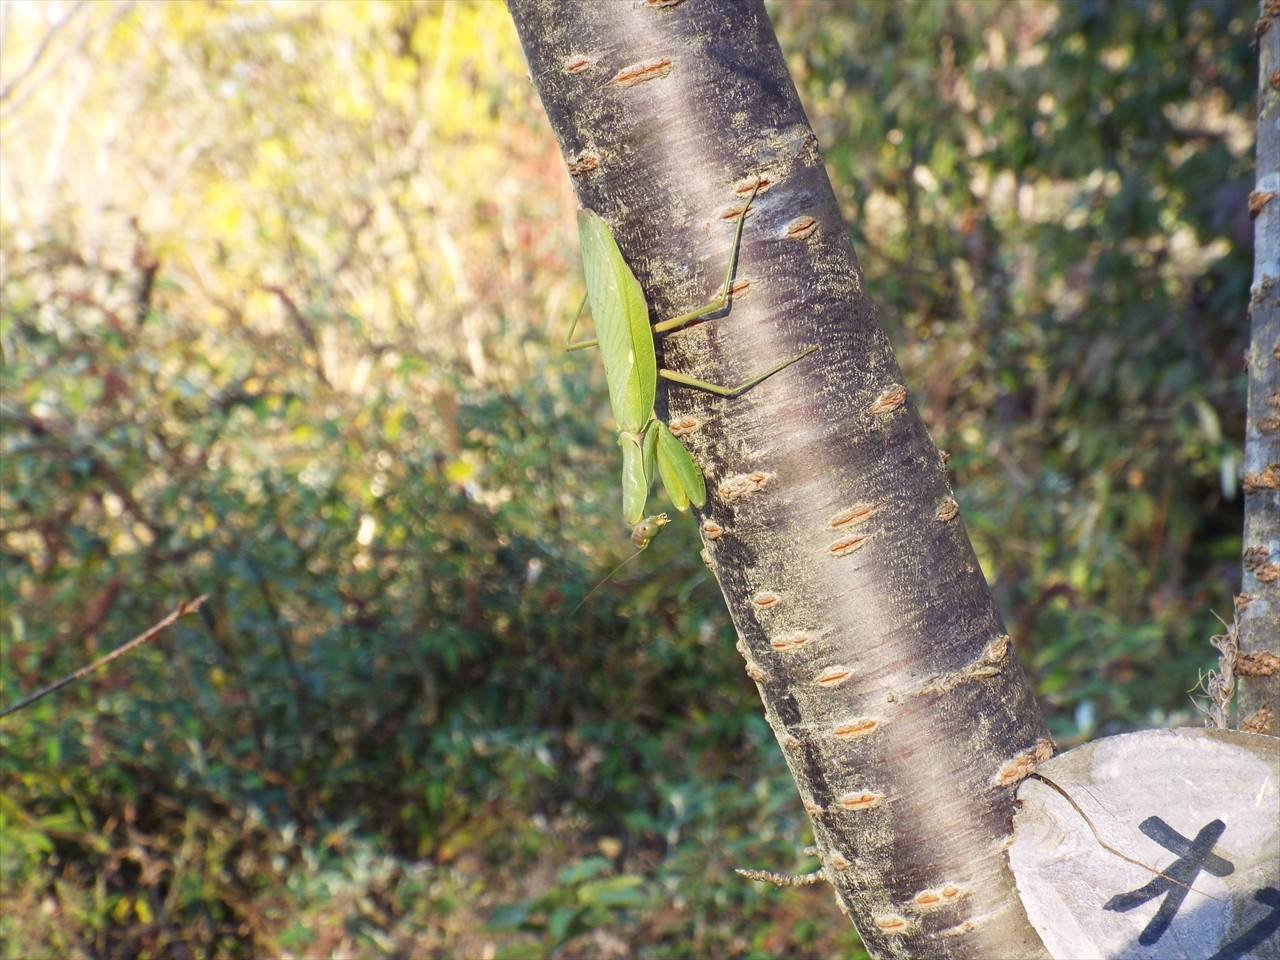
(1258, 605)
(863, 617)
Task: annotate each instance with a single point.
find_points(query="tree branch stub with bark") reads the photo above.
(1258, 604)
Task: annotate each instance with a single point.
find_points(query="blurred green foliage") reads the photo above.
(283, 288)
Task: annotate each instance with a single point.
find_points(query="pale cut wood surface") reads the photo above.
(1219, 787)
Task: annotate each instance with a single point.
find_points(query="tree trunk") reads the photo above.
(863, 617)
(1258, 605)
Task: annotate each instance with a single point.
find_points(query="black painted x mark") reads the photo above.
(1175, 882)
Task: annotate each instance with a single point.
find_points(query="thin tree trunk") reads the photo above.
(1258, 605)
(863, 617)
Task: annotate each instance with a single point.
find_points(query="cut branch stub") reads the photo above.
(1154, 844)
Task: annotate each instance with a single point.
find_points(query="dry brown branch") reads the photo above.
(180, 611)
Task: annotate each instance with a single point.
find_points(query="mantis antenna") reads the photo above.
(644, 532)
(607, 578)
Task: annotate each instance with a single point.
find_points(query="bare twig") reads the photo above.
(782, 879)
(41, 49)
(14, 100)
(786, 879)
(180, 611)
(303, 326)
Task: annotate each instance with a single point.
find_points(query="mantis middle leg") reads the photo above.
(568, 337)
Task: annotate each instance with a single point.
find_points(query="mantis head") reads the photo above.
(647, 529)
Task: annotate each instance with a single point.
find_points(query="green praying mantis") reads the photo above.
(626, 341)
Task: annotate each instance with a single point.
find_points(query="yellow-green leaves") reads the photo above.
(681, 477)
(622, 326)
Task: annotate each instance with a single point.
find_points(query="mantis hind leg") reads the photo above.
(721, 391)
(675, 323)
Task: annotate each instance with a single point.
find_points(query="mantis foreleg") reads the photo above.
(743, 387)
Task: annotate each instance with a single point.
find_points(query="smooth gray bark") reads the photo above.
(1258, 605)
(884, 668)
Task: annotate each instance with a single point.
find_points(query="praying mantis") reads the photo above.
(626, 341)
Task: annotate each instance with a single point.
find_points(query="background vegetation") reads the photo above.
(283, 287)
